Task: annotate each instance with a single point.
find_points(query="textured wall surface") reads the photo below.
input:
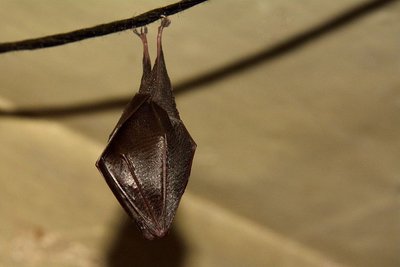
(298, 135)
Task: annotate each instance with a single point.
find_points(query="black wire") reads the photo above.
(99, 30)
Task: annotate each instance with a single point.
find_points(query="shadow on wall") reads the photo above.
(130, 248)
(266, 55)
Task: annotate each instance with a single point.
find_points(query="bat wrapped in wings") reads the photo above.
(149, 155)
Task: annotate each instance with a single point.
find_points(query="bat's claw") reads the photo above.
(165, 22)
(143, 31)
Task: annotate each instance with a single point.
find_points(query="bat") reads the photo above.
(148, 158)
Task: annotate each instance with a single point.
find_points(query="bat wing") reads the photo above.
(181, 149)
(132, 106)
(147, 166)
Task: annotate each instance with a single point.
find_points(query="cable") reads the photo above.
(99, 30)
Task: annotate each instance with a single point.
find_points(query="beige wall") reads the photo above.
(298, 149)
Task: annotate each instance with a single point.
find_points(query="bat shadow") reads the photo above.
(130, 248)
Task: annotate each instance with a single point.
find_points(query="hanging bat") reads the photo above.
(149, 154)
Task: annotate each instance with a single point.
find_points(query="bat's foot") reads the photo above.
(146, 57)
(142, 33)
(165, 21)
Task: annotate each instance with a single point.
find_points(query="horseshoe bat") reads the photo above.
(148, 158)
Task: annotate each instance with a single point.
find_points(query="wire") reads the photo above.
(99, 30)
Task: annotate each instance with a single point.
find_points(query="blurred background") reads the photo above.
(294, 105)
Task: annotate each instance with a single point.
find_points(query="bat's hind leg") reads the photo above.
(143, 36)
(146, 59)
(165, 22)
